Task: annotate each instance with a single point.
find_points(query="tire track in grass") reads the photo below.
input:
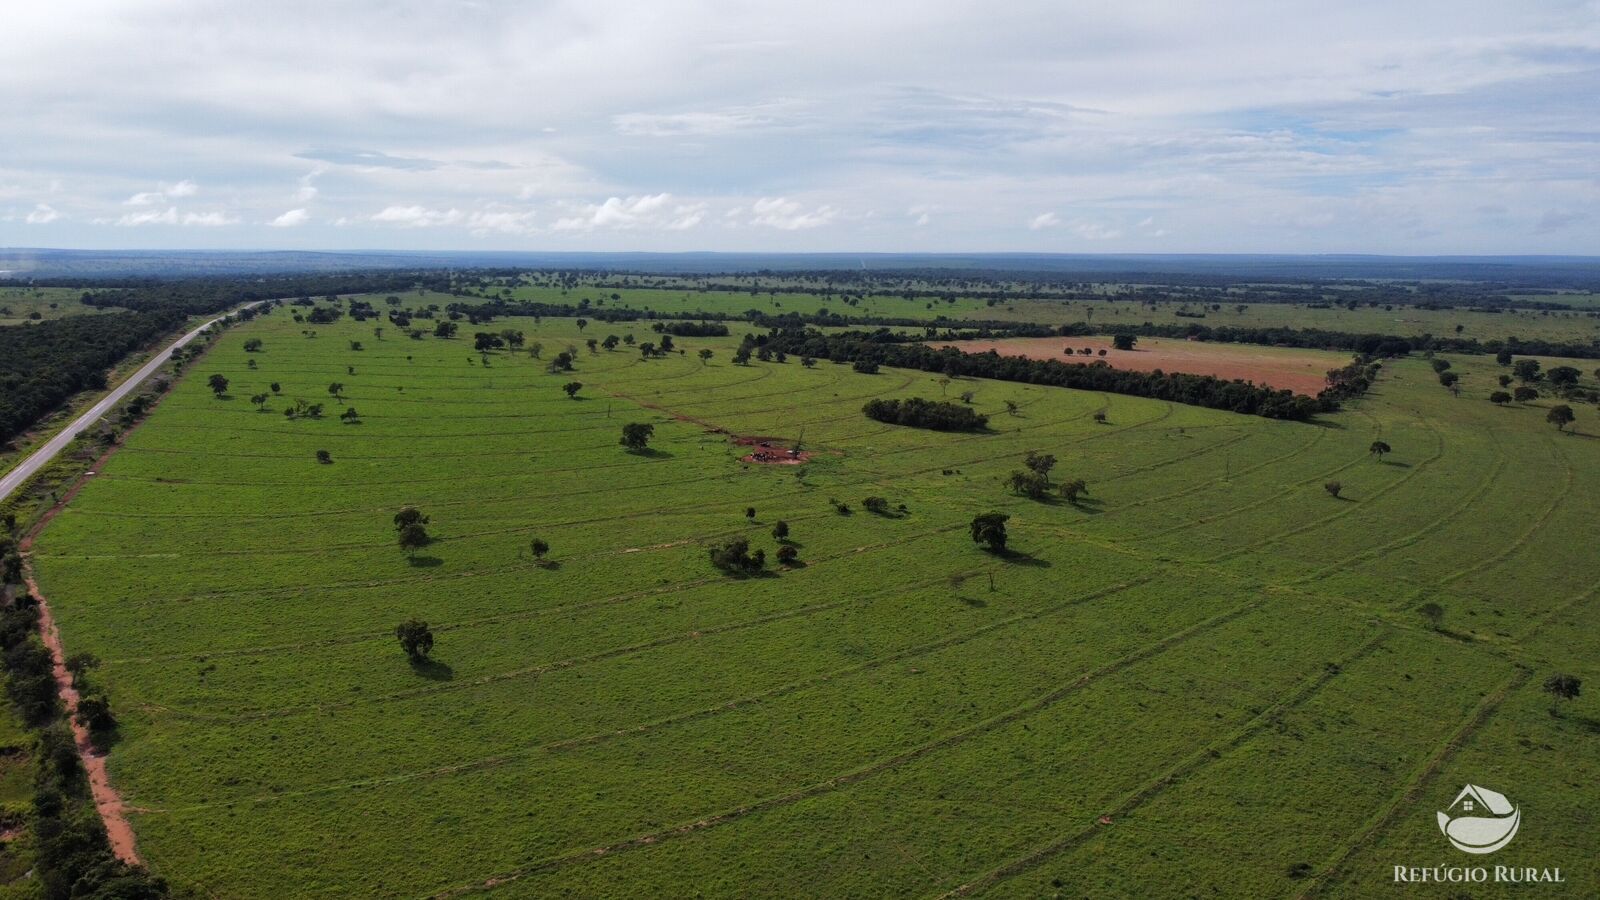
(605, 602)
(1294, 488)
(1322, 522)
(696, 715)
(1406, 540)
(1316, 439)
(1511, 548)
(1156, 786)
(1329, 873)
(855, 776)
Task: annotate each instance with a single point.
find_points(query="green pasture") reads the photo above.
(21, 304)
(1579, 325)
(1208, 677)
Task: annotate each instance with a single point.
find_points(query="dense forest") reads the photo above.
(42, 365)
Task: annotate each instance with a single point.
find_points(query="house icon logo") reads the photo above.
(1480, 820)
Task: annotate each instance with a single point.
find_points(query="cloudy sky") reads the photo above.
(937, 125)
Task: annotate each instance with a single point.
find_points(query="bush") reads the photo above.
(736, 558)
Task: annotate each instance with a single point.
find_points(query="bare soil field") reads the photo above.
(1301, 371)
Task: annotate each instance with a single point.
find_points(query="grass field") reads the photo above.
(20, 305)
(1211, 677)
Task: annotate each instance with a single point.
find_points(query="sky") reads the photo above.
(1412, 127)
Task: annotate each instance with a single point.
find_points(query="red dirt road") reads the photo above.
(1301, 371)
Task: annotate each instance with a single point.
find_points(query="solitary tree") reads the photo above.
(219, 384)
(1040, 463)
(1071, 490)
(413, 537)
(1448, 379)
(260, 400)
(636, 436)
(1525, 394)
(572, 388)
(539, 548)
(582, 324)
(350, 415)
(1562, 687)
(276, 387)
(1560, 416)
(324, 457)
(335, 389)
(780, 530)
(704, 354)
(788, 554)
(1333, 488)
(750, 513)
(409, 515)
(1123, 341)
(1500, 398)
(416, 639)
(1434, 613)
(989, 529)
(1378, 449)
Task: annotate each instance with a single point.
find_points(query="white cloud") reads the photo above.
(209, 219)
(789, 215)
(501, 221)
(1044, 220)
(290, 219)
(43, 214)
(168, 216)
(416, 216)
(1093, 231)
(652, 211)
(1415, 115)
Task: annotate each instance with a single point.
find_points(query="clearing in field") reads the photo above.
(1166, 678)
(1301, 371)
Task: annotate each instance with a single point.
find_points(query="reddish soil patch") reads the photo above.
(771, 451)
(1301, 371)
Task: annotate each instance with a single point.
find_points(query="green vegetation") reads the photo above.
(957, 691)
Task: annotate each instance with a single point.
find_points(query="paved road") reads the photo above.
(41, 457)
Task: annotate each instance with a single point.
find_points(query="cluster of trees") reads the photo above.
(1033, 479)
(692, 329)
(920, 413)
(736, 558)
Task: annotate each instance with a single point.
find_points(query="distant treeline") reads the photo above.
(889, 349)
(201, 296)
(42, 365)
